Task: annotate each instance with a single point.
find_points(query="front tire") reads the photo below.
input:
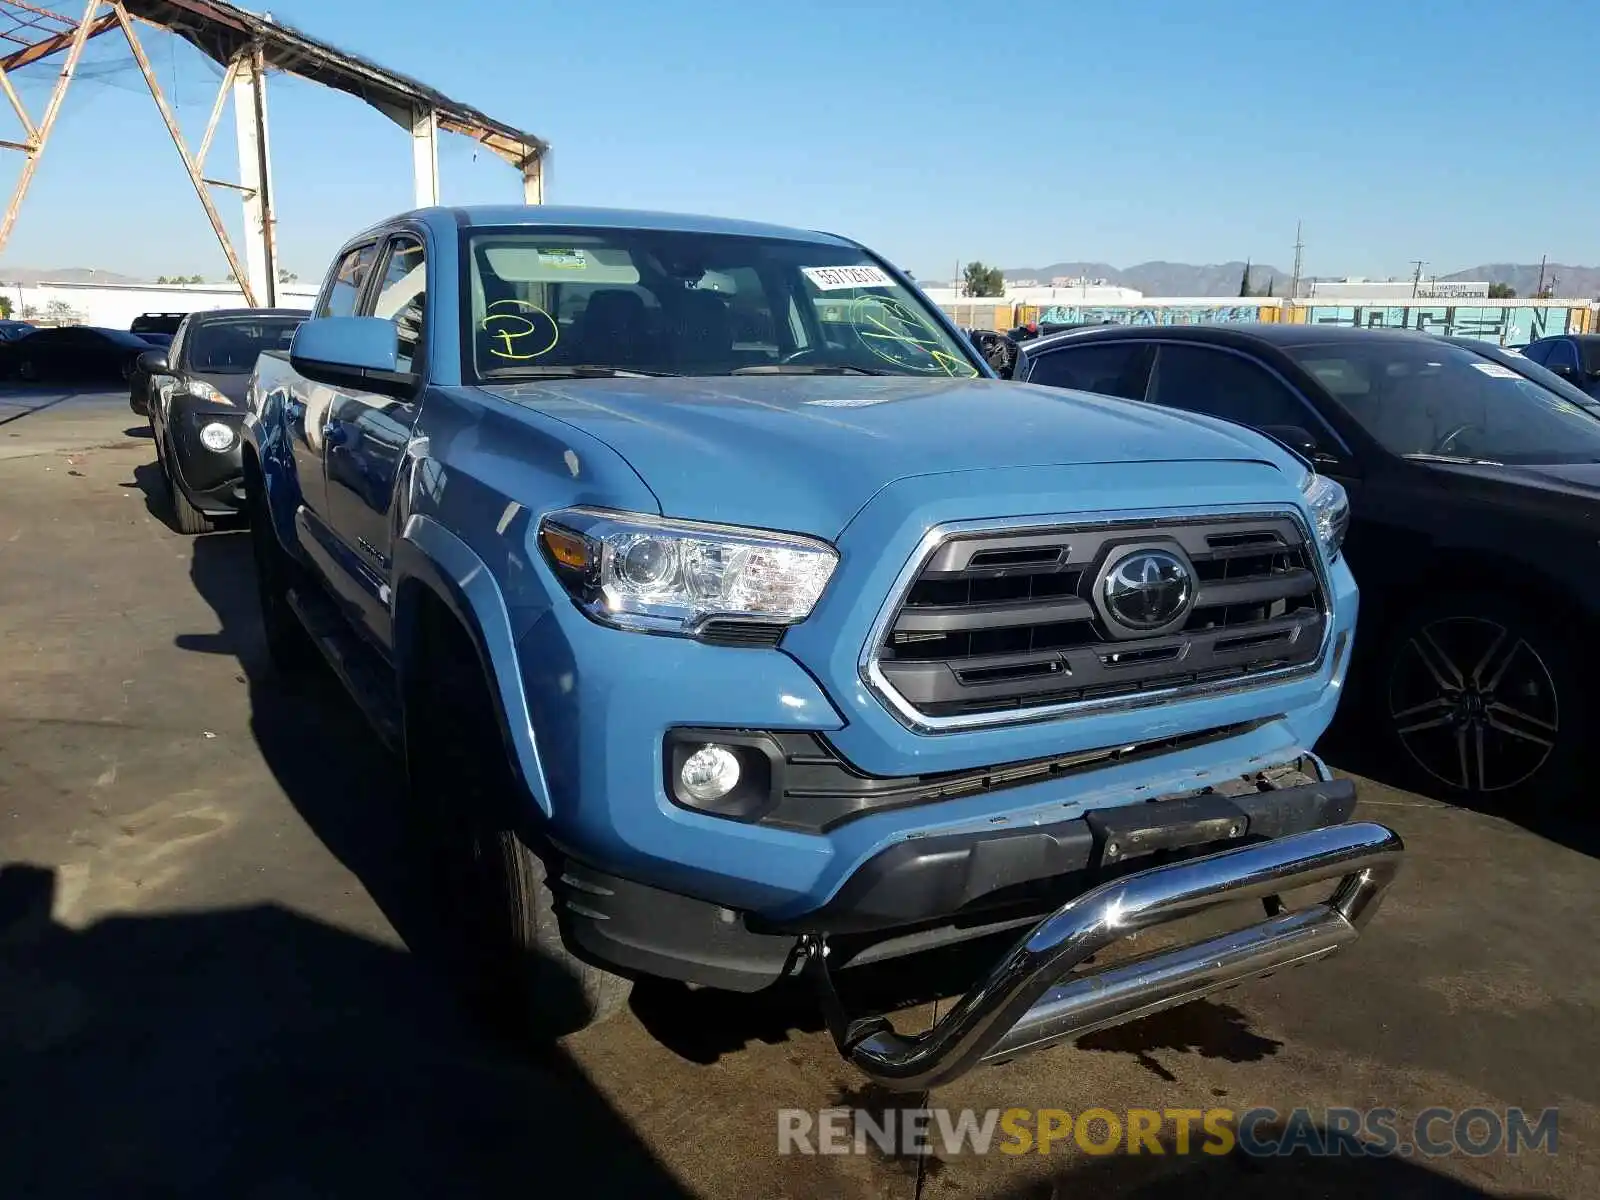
(493, 892)
(289, 646)
(186, 518)
(1483, 702)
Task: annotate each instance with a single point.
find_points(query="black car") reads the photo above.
(1475, 496)
(166, 323)
(80, 353)
(1574, 356)
(196, 399)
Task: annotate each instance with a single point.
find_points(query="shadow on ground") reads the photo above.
(259, 1053)
(1237, 1176)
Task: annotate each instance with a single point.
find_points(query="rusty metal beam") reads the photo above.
(122, 17)
(216, 113)
(61, 41)
(16, 103)
(80, 35)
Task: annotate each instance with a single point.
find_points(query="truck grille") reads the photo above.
(994, 623)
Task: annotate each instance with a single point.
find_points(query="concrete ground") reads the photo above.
(214, 980)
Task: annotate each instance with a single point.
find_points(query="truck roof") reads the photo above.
(615, 218)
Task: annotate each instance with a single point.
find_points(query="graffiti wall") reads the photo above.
(1508, 326)
(1155, 314)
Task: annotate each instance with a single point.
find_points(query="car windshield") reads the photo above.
(595, 302)
(232, 347)
(1431, 399)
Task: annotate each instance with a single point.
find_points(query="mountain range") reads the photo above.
(14, 275)
(1222, 279)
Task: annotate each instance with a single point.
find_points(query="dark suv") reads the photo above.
(1574, 357)
(1475, 500)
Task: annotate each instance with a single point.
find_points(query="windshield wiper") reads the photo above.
(581, 371)
(1420, 456)
(805, 369)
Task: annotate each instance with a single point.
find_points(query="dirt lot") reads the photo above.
(214, 980)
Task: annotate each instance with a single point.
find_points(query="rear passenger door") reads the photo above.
(366, 437)
(1115, 367)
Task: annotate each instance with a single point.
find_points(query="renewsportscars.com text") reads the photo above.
(1259, 1132)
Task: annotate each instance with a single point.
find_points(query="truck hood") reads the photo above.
(806, 452)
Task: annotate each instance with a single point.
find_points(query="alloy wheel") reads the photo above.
(1474, 704)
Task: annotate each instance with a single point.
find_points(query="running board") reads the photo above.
(368, 679)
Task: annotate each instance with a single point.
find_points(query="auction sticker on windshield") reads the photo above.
(1496, 371)
(566, 260)
(833, 279)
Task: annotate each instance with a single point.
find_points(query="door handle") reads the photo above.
(334, 433)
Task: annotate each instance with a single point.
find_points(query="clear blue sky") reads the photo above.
(1018, 134)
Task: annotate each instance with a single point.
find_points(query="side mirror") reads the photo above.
(362, 353)
(1294, 437)
(1303, 443)
(1566, 371)
(153, 362)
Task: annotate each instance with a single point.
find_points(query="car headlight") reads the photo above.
(664, 576)
(1330, 510)
(201, 390)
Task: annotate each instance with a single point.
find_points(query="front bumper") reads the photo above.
(1032, 999)
(213, 480)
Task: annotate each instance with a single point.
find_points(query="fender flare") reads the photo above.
(261, 434)
(426, 554)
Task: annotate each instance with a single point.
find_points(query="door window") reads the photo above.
(1110, 368)
(1219, 384)
(343, 291)
(1562, 354)
(402, 295)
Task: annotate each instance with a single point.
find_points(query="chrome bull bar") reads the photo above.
(1031, 999)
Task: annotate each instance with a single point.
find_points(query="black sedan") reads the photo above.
(196, 399)
(1475, 496)
(79, 353)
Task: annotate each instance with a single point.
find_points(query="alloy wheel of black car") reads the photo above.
(1475, 702)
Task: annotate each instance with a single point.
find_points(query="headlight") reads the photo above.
(201, 390)
(647, 573)
(216, 436)
(1330, 510)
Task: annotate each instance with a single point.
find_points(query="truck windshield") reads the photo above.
(232, 347)
(592, 302)
(1436, 400)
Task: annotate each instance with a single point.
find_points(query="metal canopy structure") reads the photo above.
(248, 45)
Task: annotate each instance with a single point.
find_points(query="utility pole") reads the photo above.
(1416, 278)
(1539, 291)
(1299, 247)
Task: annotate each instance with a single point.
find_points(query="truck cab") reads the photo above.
(736, 625)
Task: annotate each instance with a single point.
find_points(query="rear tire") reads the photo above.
(1482, 701)
(493, 892)
(289, 646)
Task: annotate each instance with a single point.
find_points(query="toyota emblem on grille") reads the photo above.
(1147, 589)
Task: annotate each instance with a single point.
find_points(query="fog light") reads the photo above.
(216, 436)
(710, 773)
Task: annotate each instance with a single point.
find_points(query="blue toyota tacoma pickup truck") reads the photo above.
(736, 624)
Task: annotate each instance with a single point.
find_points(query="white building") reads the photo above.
(1084, 292)
(115, 305)
(1395, 290)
